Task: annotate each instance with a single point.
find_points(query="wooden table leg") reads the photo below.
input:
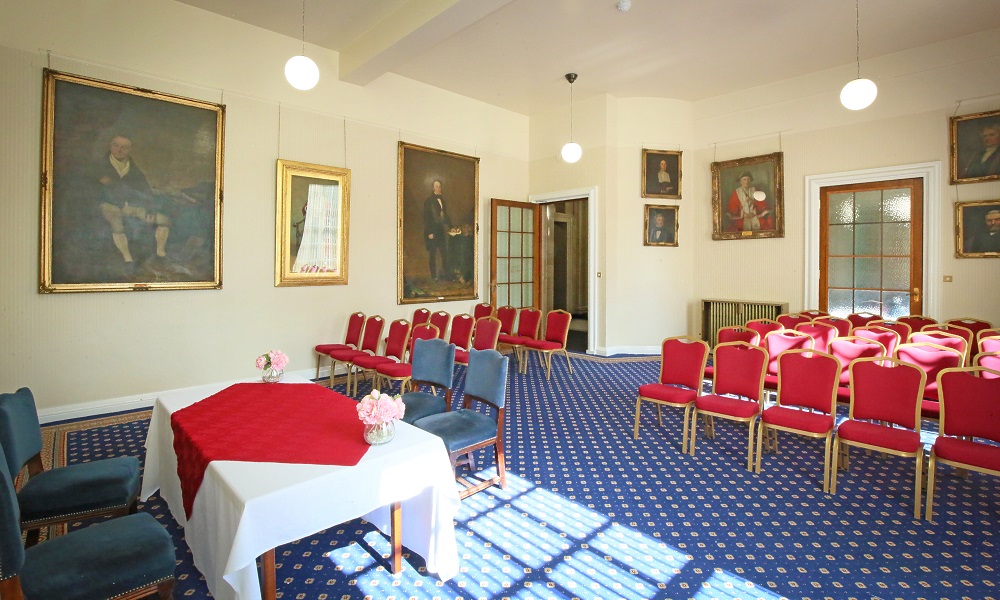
(396, 535)
(269, 588)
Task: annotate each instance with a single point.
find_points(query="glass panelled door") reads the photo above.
(871, 248)
(514, 265)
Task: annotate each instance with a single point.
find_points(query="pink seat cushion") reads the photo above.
(327, 348)
(367, 361)
(893, 438)
(667, 393)
(976, 454)
(724, 405)
(543, 345)
(395, 369)
(794, 418)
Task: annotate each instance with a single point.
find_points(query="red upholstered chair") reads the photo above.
(807, 403)
(848, 349)
(481, 310)
(943, 338)
(813, 313)
(931, 359)
(387, 372)
(884, 416)
(440, 319)
(733, 333)
(899, 327)
(682, 369)
(987, 333)
(821, 333)
(777, 342)
(885, 336)
(790, 321)
(507, 316)
(843, 325)
(970, 409)
(989, 360)
(370, 339)
(556, 331)
(484, 337)
(461, 331)
(420, 316)
(916, 322)
(528, 321)
(972, 324)
(763, 326)
(355, 323)
(862, 318)
(737, 391)
(396, 345)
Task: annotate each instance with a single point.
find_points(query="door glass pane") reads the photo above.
(503, 271)
(503, 240)
(896, 239)
(868, 207)
(529, 221)
(527, 269)
(841, 272)
(867, 272)
(515, 244)
(868, 301)
(503, 219)
(515, 270)
(897, 304)
(502, 295)
(515, 219)
(842, 239)
(868, 239)
(528, 298)
(515, 295)
(528, 245)
(842, 208)
(896, 206)
(840, 302)
(896, 274)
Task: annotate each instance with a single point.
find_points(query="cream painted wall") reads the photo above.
(75, 349)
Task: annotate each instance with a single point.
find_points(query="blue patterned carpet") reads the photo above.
(591, 513)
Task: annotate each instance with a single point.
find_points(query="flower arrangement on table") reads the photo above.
(273, 363)
(379, 412)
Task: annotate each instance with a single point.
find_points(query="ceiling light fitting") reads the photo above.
(300, 71)
(859, 93)
(572, 151)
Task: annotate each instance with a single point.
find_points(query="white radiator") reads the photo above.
(725, 313)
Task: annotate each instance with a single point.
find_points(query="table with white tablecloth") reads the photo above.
(243, 510)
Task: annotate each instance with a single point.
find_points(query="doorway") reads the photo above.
(565, 251)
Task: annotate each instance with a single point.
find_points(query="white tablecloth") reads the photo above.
(245, 509)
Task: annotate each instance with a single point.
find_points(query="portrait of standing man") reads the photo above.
(437, 226)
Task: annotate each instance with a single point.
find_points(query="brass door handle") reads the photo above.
(916, 294)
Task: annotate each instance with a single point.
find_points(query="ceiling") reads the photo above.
(514, 53)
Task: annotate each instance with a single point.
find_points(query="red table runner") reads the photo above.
(256, 422)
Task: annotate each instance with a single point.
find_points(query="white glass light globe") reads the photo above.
(572, 152)
(301, 72)
(858, 94)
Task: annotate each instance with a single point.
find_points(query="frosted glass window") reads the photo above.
(896, 239)
(842, 208)
(502, 295)
(515, 219)
(529, 221)
(528, 245)
(868, 207)
(503, 270)
(503, 218)
(896, 206)
(515, 295)
(897, 304)
(896, 274)
(515, 243)
(840, 302)
(528, 294)
(515, 270)
(841, 272)
(503, 243)
(841, 239)
(527, 269)
(868, 239)
(867, 272)
(868, 301)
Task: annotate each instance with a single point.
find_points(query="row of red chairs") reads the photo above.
(886, 398)
(526, 336)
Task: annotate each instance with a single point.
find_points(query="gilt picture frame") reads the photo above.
(312, 224)
(975, 147)
(660, 225)
(977, 229)
(748, 198)
(131, 188)
(438, 225)
(661, 174)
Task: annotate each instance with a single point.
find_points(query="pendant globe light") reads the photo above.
(859, 93)
(300, 71)
(572, 151)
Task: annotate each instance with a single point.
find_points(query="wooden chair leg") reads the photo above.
(931, 467)
(32, 537)
(165, 589)
(635, 431)
(918, 484)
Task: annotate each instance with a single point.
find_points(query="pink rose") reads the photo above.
(261, 362)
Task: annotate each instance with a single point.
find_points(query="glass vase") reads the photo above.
(272, 375)
(381, 433)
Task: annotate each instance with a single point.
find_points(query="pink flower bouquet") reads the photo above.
(377, 408)
(273, 359)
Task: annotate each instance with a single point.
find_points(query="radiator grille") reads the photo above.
(725, 313)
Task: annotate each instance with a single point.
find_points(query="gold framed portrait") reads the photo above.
(748, 199)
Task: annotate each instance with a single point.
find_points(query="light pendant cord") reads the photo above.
(571, 112)
(304, 28)
(857, 34)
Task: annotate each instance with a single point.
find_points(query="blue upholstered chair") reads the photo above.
(466, 430)
(130, 557)
(433, 366)
(108, 487)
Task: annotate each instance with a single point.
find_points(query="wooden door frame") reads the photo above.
(930, 173)
(595, 314)
(536, 276)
